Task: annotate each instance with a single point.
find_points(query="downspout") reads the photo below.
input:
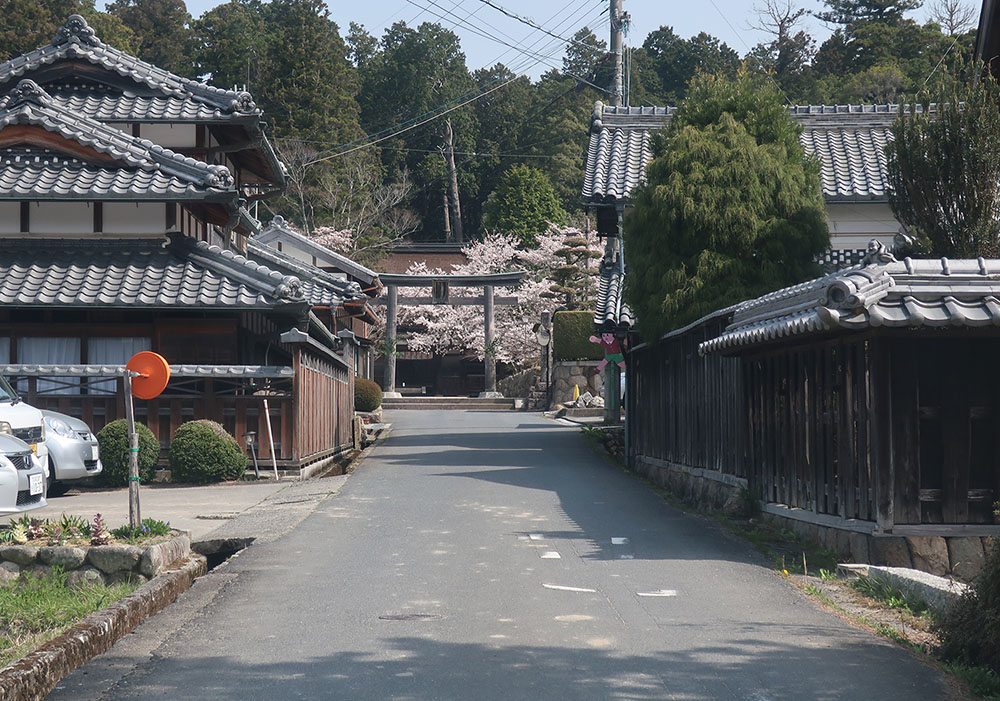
(618, 315)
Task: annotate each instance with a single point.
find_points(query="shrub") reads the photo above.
(571, 332)
(113, 440)
(970, 630)
(203, 451)
(367, 395)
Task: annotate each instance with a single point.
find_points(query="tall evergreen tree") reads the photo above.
(28, 24)
(163, 31)
(731, 208)
(523, 205)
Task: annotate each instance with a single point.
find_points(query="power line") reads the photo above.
(530, 23)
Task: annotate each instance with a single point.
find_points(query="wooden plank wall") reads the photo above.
(809, 413)
(685, 408)
(324, 406)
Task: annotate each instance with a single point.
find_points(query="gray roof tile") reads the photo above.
(320, 287)
(612, 313)
(881, 292)
(77, 40)
(150, 273)
(144, 166)
(848, 140)
(110, 107)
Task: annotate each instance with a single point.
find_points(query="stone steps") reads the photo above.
(449, 403)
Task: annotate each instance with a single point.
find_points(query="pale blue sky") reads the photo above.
(729, 20)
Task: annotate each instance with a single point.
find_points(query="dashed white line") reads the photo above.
(619, 541)
(559, 587)
(659, 592)
(536, 536)
(551, 555)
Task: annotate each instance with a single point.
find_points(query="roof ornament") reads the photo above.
(26, 91)
(877, 254)
(219, 176)
(290, 288)
(244, 102)
(75, 31)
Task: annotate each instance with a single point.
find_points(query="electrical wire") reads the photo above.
(530, 23)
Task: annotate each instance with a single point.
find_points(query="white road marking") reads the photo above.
(659, 592)
(619, 541)
(559, 587)
(536, 536)
(626, 557)
(551, 555)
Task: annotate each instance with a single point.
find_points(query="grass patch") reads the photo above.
(885, 593)
(37, 609)
(983, 682)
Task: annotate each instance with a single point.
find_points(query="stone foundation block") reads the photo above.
(113, 558)
(889, 550)
(157, 558)
(930, 554)
(966, 555)
(858, 546)
(66, 557)
(9, 573)
(23, 555)
(84, 576)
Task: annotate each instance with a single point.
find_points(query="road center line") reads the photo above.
(559, 587)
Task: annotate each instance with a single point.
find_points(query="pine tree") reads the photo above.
(574, 282)
(731, 208)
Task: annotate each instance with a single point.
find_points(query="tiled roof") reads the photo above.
(280, 231)
(879, 292)
(848, 140)
(612, 312)
(138, 273)
(110, 106)
(142, 165)
(321, 288)
(77, 40)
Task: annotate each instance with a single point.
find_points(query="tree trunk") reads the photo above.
(456, 207)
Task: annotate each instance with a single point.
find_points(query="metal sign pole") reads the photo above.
(134, 517)
(270, 439)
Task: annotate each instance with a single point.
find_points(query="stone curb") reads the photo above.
(36, 674)
(937, 592)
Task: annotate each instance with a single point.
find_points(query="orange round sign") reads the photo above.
(154, 373)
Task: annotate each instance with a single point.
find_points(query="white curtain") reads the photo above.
(50, 351)
(113, 351)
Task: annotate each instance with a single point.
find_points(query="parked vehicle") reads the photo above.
(73, 450)
(22, 476)
(22, 421)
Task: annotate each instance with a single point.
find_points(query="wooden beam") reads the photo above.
(453, 301)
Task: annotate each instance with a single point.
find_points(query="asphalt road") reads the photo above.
(495, 556)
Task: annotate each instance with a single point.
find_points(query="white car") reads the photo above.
(73, 450)
(22, 421)
(22, 477)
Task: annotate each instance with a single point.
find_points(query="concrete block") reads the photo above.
(966, 555)
(930, 554)
(114, 558)
(858, 546)
(157, 558)
(892, 551)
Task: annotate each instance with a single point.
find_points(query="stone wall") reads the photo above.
(958, 556)
(569, 373)
(93, 563)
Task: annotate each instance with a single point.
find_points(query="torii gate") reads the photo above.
(440, 286)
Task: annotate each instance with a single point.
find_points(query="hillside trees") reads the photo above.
(163, 32)
(523, 205)
(731, 209)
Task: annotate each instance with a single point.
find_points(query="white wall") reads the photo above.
(853, 225)
(170, 135)
(295, 252)
(61, 218)
(10, 217)
(133, 218)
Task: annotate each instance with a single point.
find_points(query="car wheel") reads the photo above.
(56, 489)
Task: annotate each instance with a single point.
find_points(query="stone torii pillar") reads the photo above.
(440, 286)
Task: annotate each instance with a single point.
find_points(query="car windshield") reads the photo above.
(7, 392)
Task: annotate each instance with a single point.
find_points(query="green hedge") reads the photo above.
(203, 451)
(571, 332)
(367, 395)
(113, 440)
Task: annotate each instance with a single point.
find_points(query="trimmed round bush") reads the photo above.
(367, 395)
(113, 440)
(203, 451)
(571, 332)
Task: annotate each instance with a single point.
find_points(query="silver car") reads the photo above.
(73, 450)
(22, 477)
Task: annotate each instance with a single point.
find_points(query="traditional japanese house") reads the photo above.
(123, 227)
(307, 258)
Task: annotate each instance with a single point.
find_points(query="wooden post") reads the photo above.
(389, 388)
(134, 516)
(612, 394)
(489, 357)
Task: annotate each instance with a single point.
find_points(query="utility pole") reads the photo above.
(456, 206)
(619, 20)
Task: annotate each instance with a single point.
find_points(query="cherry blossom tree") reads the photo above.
(445, 328)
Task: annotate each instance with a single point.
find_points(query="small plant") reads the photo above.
(983, 682)
(889, 595)
(35, 529)
(970, 630)
(74, 526)
(996, 511)
(203, 451)
(19, 533)
(367, 395)
(98, 532)
(827, 575)
(149, 528)
(54, 533)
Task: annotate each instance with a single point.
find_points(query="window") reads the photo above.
(114, 350)
(50, 351)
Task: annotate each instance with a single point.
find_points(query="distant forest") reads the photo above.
(358, 118)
